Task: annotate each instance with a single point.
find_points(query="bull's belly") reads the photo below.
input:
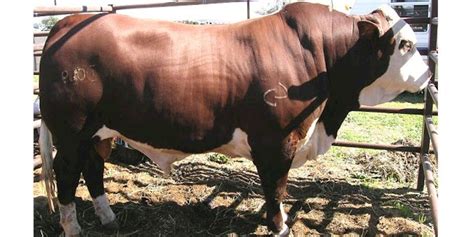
(316, 142)
(238, 146)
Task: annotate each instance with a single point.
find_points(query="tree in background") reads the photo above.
(271, 7)
(46, 24)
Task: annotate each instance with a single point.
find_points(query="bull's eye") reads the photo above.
(406, 46)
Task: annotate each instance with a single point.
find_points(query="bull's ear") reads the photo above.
(368, 30)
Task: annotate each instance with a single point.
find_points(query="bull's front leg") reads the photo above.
(273, 164)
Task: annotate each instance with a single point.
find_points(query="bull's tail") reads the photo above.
(46, 150)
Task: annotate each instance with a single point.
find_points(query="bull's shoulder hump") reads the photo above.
(69, 26)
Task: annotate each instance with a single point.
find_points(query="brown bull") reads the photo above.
(274, 90)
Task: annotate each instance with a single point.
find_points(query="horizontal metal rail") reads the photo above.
(173, 3)
(422, 50)
(415, 149)
(41, 33)
(392, 110)
(421, 20)
(61, 10)
(432, 193)
(417, 20)
(38, 47)
(433, 92)
(161, 4)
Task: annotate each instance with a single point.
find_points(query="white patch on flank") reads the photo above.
(316, 142)
(237, 147)
(68, 219)
(406, 70)
(103, 210)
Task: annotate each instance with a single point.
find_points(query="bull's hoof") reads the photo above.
(113, 225)
(285, 232)
(63, 234)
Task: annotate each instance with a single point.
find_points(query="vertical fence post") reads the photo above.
(248, 9)
(425, 140)
(428, 107)
(113, 8)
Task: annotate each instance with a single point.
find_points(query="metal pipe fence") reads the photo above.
(430, 134)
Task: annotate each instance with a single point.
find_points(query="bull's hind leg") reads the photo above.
(74, 157)
(67, 168)
(93, 173)
(273, 166)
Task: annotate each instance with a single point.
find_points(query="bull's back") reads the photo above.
(141, 74)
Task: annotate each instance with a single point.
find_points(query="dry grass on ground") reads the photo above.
(205, 198)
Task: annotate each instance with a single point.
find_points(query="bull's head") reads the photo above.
(402, 67)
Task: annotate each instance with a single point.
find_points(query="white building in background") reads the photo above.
(404, 8)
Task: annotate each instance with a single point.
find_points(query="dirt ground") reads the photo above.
(206, 198)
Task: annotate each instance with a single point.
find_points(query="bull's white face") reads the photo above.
(406, 70)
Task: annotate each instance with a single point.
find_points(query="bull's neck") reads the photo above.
(348, 62)
(329, 37)
(346, 59)
(340, 38)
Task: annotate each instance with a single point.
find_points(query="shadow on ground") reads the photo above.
(413, 98)
(208, 199)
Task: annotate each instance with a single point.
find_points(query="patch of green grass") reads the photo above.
(359, 176)
(372, 184)
(406, 211)
(379, 128)
(422, 218)
(382, 128)
(218, 158)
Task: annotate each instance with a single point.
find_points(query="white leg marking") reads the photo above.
(285, 231)
(103, 210)
(68, 219)
(283, 213)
